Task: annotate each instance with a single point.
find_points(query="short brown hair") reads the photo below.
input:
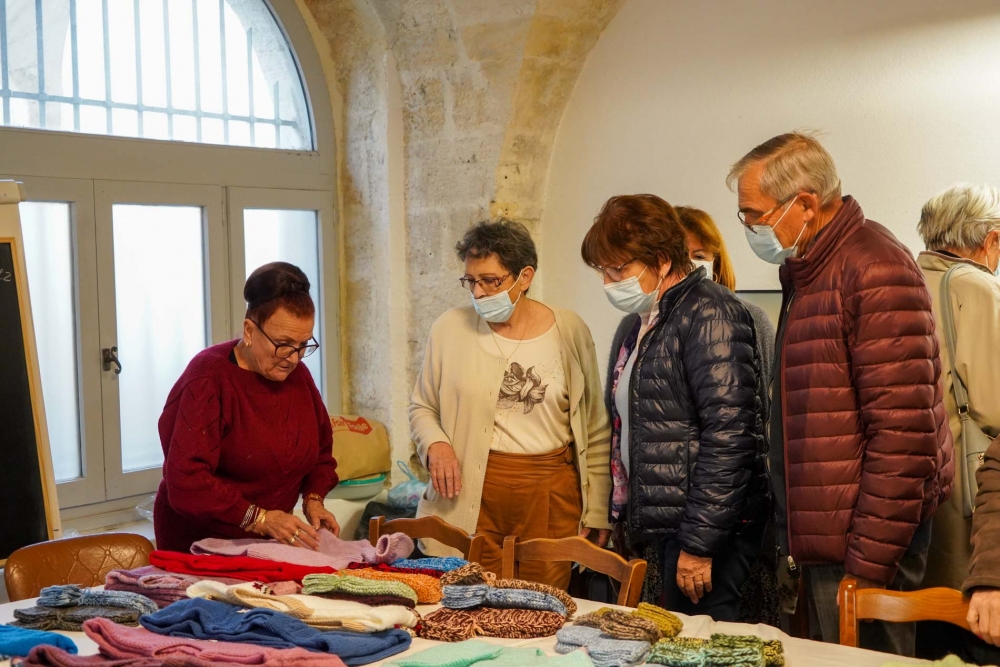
(642, 227)
(698, 222)
(277, 285)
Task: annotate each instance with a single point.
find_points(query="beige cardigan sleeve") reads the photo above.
(425, 403)
(599, 436)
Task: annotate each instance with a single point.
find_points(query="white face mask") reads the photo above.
(498, 308)
(709, 267)
(627, 295)
(765, 243)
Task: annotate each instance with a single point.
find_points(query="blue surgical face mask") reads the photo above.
(709, 267)
(498, 308)
(627, 295)
(765, 243)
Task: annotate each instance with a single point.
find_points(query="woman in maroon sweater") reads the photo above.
(245, 431)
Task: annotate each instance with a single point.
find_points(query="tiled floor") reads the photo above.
(144, 528)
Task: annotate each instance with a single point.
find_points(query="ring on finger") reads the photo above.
(291, 540)
(296, 534)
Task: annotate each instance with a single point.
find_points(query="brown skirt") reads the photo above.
(531, 496)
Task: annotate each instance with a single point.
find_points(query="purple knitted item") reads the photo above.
(333, 551)
(162, 587)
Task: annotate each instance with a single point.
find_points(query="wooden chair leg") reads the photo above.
(375, 529)
(848, 612)
(509, 568)
(799, 624)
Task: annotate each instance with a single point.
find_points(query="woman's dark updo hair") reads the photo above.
(277, 285)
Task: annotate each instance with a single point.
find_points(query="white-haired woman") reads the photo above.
(962, 226)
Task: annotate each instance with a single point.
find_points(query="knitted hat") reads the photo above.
(19, 641)
(721, 649)
(70, 595)
(467, 575)
(464, 597)
(621, 625)
(679, 652)
(668, 624)
(392, 547)
(452, 625)
(605, 651)
(71, 619)
(428, 589)
(342, 583)
(441, 564)
(559, 594)
(741, 650)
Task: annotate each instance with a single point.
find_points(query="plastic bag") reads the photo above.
(407, 494)
(145, 508)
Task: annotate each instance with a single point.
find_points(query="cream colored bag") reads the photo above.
(360, 445)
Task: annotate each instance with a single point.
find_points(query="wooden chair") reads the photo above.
(630, 574)
(929, 604)
(84, 561)
(430, 527)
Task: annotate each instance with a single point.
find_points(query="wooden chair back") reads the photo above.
(84, 561)
(630, 574)
(929, 604)
(430, 527)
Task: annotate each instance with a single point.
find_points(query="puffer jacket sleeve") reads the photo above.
(984, 570)
(895, 365)
(722, 369)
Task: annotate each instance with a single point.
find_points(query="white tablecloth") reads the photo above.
(798, 652)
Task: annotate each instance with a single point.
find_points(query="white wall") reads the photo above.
(907, 93)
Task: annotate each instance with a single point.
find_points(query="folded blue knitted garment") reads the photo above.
(605, 651)
(440, 564)
(480, 654)
(19, 641)
(476, 595)
(207, 619)
(73, 596)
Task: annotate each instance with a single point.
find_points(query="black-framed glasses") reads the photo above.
(285, 351)
(750, 218)
(613, 272)
(487, 283)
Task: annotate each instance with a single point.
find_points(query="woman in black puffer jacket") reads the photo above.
(685, 400)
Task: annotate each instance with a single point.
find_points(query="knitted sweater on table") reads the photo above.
(481, 654)
(19, 641)
(206, 619)
(332, 551)
(230, 438)
(234, 567)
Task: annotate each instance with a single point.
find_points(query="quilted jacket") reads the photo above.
(696, 421)
(868, 452)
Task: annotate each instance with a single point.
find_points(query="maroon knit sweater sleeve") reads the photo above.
(189, 470)
(323, 477)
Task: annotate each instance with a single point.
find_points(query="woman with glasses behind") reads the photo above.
(507, 412)
(244, 430)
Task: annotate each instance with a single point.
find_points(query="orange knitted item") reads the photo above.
(427, 588)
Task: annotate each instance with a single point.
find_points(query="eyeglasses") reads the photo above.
(285, 351)
(749, 218)
(612, 272)
(487, 283)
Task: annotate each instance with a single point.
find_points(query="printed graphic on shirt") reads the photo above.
(521, 386)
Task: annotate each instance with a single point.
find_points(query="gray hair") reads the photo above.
(960, 217)
(793, 162)
(510, 241)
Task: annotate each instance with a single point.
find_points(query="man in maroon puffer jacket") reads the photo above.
(860, 449)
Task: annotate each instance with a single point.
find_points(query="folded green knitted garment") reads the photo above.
(720, 651)
(313, 584)
(71, 619)
(481, 654)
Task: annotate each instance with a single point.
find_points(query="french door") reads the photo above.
(128, 282)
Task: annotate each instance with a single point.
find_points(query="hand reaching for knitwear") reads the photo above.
(446, 473)
(320, 517)
(289, 529)
(694, 575)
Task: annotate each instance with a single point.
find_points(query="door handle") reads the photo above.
(109, 355)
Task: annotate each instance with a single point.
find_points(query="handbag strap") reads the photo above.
(948, 317)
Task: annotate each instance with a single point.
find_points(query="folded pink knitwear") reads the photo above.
(162, 587)
(333, 551)
(50, 656)
(119, 642)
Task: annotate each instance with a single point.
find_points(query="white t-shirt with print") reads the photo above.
(532, 411)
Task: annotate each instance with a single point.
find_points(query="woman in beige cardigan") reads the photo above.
(962, 226)
(508, 413)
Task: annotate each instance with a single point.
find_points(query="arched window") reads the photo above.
(208, 71)
(167, 148)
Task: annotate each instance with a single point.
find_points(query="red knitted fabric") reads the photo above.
(401, 570)
(230, 438)
(235, 567)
